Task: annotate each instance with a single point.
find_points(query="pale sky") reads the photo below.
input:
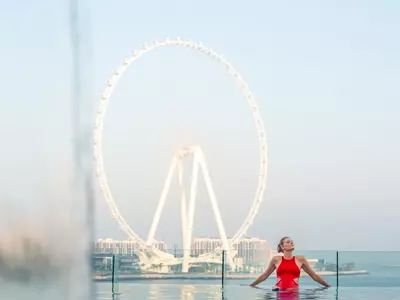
(324, 73)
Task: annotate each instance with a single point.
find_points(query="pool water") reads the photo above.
(197, 290)
(382, 283)
(182, 291)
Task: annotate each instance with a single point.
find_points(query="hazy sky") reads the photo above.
(325, 75)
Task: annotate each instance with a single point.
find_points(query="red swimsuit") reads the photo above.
(287, 273)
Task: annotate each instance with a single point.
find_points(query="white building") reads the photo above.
(204, 245)
(251, 250)
(254, 251)
(106, 246)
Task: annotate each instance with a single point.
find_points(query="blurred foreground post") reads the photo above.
(82, 119)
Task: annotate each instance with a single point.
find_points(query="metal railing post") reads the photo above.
(223, 268)
(113, 275)
(337, 269)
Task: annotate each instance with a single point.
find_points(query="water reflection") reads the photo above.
(204, 291)
(193, 292)
(155, 291)
(181, 292)
(187, 292)
(318, 293)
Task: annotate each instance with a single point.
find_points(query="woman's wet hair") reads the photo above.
(279, 248)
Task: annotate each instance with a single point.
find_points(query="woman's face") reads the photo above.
(288, 244)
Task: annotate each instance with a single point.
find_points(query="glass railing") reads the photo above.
(106, 272)
(362, 272)
(374, 269)
(111, 271)
(324, 263)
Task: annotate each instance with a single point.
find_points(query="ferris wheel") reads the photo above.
(99, 124)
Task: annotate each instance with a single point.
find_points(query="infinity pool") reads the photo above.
(175, 291)
(382, 283)
(195, 291)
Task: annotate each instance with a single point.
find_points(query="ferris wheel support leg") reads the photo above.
(161, 203)
(214, 204)
(183, 200)
(190, 217)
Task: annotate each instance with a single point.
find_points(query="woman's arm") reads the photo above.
(271, 268)
(307, 268)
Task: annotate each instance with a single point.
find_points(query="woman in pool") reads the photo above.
(288, 268)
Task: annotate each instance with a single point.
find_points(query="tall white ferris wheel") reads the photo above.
(187, 212)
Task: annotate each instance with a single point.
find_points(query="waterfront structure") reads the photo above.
(122, 247)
